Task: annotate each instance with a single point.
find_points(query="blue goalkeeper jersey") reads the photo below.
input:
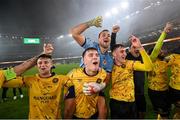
(106, 61)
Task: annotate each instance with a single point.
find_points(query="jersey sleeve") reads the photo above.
(158, 46)
(2, 78)
(109, 65)
(170, 59)
(7, 74)
(146, 65)
(88, 43)
(69, 91)
(113, 40)
(17, 82)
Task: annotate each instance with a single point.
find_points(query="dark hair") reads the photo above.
(176, 50)
(90, 48)
(44, 56)
(114, 47)
(105, 30)
(150, 51)
(161, 57)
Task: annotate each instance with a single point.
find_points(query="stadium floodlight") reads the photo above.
(108, 14)
(158, 2)
(124, 5)
(127, 17)
(114, 11)
(147, 7)
(61, 36)
(31, 40)
(70, 35)
(137, 12)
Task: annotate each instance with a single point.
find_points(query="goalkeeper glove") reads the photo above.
(93, 87)
(95, 22)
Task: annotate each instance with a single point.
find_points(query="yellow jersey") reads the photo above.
(86, 105)
(2, 78)
(45, 94)
(174, 64)
(122, 78)
(122, 82)
(7, 74)
(157, 78)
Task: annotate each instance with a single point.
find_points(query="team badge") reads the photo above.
(55, 80)
(104, 62)
(79, 80)
(123, 65)
(98, 80)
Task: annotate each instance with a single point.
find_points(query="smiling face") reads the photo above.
(104, 39)
(119, 54)
(91, 60)
(134, 51)
(44, 66)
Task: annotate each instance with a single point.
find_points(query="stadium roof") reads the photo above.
(51, 20)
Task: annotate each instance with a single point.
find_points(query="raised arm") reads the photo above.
(159, 43)
(79, 29)
(147, 64)
(19, 69)
(11, 73)
(115, 29)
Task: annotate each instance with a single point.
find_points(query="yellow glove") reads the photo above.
(95, 22)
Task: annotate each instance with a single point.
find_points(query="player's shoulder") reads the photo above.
(130, 63)
(102, 73)
(176, 55)
(76, 71)
(1, 71)
(30, 76)
(61, 76)
(173, 56)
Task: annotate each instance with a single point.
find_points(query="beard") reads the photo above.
(105, 45)
(161, 57)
